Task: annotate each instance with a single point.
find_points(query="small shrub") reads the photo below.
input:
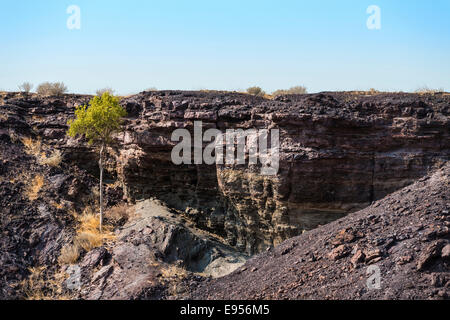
(51, 89)
(100, 92)
(256, 91)
(151, 89)
(172, 271)
(26, 87)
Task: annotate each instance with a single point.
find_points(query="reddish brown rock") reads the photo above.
(339, 252)
(358, 257)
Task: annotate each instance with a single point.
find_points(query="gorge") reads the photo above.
(339, 153)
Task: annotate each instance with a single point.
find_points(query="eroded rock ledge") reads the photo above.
(339, 153)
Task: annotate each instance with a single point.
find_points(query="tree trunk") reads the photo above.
(100, 163)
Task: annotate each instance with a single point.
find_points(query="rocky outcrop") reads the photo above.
(397, 248)
(339, 153)
(154, 244)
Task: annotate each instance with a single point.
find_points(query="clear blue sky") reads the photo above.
(135, 44)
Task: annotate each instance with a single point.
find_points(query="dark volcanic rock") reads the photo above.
(339, 153)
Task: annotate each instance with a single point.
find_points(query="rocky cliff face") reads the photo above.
(339, 152)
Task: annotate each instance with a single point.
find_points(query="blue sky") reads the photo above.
(136, 44)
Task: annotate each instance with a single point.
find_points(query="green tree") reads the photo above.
(97, 123)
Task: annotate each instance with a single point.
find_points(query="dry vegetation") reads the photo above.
(69, 254)
(33, 188)
(426, 90)
(51, 89)
(36, 149)
(41, 286)
(87, 238)
(256, 91)
(292, 90)
(25, 87)
(32, 147)
(100, 92)
(119, 214)
(173, 277)
(53, 160)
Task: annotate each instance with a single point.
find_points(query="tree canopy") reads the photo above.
(98, 121)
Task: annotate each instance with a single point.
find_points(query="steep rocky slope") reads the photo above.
(406, 235)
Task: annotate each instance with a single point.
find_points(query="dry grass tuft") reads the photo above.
(32, 147)
(36, 149)
(173, 277)
(13, 136)
(119, 214)
(54, 160)
(69, 254)
(88, 236)
(32, 190)
(172, 272)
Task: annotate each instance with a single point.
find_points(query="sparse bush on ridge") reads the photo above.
(51, 89)
(293, 90)
(425, 89)
(256, 91)
(100, 92)
(151, 89)
(25, 87)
